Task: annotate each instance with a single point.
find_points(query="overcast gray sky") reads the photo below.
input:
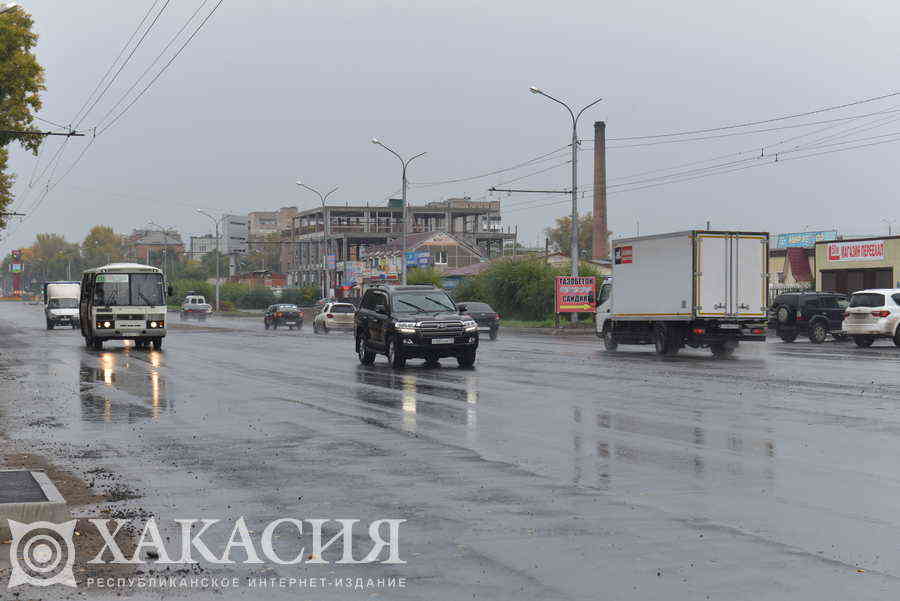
(272, 90)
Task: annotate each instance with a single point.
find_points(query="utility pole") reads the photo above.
(323, 198)
(890, 224)
(575, 250)
(405, 164)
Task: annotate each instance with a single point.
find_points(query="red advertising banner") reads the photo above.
(866, 250)
(576, 294)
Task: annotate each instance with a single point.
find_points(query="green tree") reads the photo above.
(560, 235)
(424, 275)
(101, 246)
(21, 81)
(209, 264)
(259, 297)
(303, 297)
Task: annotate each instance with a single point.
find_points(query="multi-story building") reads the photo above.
(263, 223)
(201, 245)
(322, 239)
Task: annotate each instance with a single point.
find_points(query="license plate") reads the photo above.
(291, 323)
(441, 341)
(729, 326)
(130, 324)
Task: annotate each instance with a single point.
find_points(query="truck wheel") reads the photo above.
(787, 336)
(157, 343)
(467, 359)
(366, 357)
(662, 341)
(97, 344)
(609, 340)
(721, 350)
(395, 355)
(863, 341)
(818, 333)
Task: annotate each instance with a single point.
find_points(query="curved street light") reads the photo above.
(575, 116)
(323, 198)
(405, 163)
(218, 253)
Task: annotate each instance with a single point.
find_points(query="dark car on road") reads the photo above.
(406, 322)
(283, 315)
(813, 314)
(484, 315)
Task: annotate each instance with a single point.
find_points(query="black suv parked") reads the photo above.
(814, 314)
(405, 322)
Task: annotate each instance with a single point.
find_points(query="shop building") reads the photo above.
(857, 264)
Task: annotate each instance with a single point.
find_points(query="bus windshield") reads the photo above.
(128, 290)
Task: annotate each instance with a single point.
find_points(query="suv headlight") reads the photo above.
(470, 325)
(406, 327)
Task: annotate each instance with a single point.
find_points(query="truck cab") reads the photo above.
(61, 304)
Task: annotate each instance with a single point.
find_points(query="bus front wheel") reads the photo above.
(157, 343)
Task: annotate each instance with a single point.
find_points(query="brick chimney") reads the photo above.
(601, 233)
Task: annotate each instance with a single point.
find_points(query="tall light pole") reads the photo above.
(890, 224)
(323, 198)
(405, 163)
(218, 254)
(575, 117)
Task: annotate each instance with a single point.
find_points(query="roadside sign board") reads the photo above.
(15, 267)
(804, 239)
(863, 250)
(576, 294)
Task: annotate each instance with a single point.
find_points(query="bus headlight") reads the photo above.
(104, 324)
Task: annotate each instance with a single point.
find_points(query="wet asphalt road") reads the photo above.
(553, 470)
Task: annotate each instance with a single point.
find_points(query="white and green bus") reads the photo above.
(123, 301)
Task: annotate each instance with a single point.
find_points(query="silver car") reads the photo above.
(334, 316)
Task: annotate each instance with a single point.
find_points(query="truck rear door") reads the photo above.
(713, 269)
(748, 265)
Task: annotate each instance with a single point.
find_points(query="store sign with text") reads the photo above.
(862, 250)
(576, 294)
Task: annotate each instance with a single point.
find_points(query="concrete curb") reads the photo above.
(52, 510)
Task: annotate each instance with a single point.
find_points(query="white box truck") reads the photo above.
(61, 303)
(698, 288)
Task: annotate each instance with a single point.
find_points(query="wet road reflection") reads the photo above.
(123, 385)
(413, 394)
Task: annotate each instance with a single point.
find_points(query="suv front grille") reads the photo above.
(441, 328)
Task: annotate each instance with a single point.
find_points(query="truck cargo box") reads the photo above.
(695, 274)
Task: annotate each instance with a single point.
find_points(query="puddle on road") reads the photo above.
(123, 386)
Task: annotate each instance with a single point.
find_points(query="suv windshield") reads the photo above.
(343, 309)
(867, 299)
(63, 303)
(424, 301)
(129, 290)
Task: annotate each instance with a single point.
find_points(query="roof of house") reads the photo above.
(415, 240)
(473, 269)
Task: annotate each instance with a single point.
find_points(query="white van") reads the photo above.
(61, 304)
(123, 301)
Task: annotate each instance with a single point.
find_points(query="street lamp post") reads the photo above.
(890, 224)
(218, 254)
(323, 198)
(575, 117)
(405, 163)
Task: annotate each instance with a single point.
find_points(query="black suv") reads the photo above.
(814, 314)
(405, 322)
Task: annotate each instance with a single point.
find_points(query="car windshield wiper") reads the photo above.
(437, 302)
(416, 307)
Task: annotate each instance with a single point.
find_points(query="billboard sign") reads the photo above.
(862, 250)
(804, 239)
(15, 267)
(330, 261)
(575, 294)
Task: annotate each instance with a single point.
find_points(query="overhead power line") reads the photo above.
(163, 70)
(760, 122)
(536, 159)
(115, 60)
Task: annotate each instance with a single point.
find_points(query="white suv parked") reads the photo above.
(873, 314)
